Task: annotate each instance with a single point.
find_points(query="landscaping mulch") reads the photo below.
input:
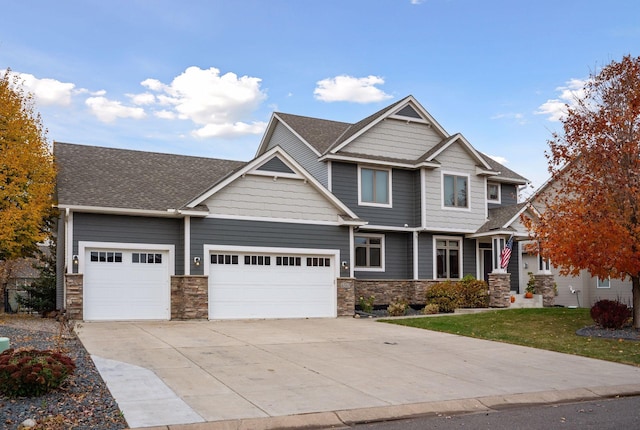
(626, 333)
(83, 401)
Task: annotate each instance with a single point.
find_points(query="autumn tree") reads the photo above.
(591, 217)
(27, 173)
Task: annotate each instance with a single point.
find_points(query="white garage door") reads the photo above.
(126, 284)
(271, 285)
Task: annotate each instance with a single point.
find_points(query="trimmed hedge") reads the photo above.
(469, 292)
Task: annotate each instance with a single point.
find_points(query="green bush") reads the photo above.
(431, 309)
(466, 293)
(398, 307)
(473, 293)
(610, 314)
(445, 295)
(31, 372)
(366, 304)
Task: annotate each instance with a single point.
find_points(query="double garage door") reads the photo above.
(254, 284)
(134, 283)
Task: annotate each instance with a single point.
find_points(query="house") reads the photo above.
(326, 211)
(583, 290)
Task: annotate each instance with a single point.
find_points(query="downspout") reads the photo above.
(415, 256)
(352, 252)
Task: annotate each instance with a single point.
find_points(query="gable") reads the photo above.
(395, 138)
(275, 165)
(457, 156)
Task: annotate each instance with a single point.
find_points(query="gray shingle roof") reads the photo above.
(127, 179)
(319, 133)
(498, 217)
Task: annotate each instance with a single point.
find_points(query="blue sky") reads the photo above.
(203, 77)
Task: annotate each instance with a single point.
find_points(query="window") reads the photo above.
(318, 262)
(374, 187)
(604, 283)
(455, 191)
(106, 257)
(369, 252)
(257, 260)
(224, 259)
(288, 261)
(493, 192)
(448, 257)
(146, 258)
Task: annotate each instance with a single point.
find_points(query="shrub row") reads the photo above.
(469, 292)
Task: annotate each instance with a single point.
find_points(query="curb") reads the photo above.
(347, 418)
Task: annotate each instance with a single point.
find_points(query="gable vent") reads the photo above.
(409, 112)
(275, 165)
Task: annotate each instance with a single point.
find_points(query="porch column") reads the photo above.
(499, 290)
(498, 243)
(416, 258)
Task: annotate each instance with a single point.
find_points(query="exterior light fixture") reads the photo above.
(196, 261)
(75, 260)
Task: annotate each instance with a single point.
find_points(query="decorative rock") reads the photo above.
(27, 424)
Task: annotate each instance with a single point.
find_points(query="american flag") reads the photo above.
(506, 253)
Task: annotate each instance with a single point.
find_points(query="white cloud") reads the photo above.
(350, 89)
(556, 108)
(417, 1)
(109, 110)
(518, 117)
(498, 158)
(221, 104)
(47, 91)
(142, 99)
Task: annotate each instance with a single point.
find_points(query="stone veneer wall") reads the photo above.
(189, 297)
(74, 283)
(499, 290)
(389, 290)
(544, 286)
(346, 296)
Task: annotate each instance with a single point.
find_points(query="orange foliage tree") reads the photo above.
(27, 173)
(591, 217)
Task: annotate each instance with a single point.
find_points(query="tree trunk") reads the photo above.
(635, 282)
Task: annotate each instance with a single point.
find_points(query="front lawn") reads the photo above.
(553, 329)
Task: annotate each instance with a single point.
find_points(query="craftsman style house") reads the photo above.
(324, 212)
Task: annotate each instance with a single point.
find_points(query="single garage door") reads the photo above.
(126, 284)
(271, 285)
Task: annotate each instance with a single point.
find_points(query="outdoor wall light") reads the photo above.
(75, 260)
(345, 266)
(196, 261)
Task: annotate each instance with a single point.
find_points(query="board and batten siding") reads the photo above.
(396, 139)
(130, 229)
(212, 231)
(404, 210)
(300, 152)
(455, 160)
(262, 196)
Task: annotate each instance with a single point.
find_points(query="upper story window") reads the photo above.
(374, 188)
(455, 191)
(493, 192)
(369, 252)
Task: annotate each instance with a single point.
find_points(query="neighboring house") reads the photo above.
(583, 290)
(325, 211)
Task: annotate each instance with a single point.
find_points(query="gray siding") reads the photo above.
(417, 199)
(398, 258)
(275, 165)
(514, 269)
(425, 258)
(300, 152)
(469, 257)
(508, 196)
(404, 211)
(210, 231)
(130, 229)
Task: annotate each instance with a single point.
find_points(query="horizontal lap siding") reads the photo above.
(425, 256)
(288, 141)
(130, 229)
(404, 210)
(210, 231)
(398, 258)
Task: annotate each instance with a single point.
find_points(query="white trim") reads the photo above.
(487, 183)
(455, 208)
(68, 246)
(83, 245)
(423, 199)
(275, 175)
(416, 260)
(339, 221)
(187, 246)
(121, 211)
(447, 230)
(390, 228)
(435, 255)
(352, 253)
(329, 176)
(459, 137)
(382, 253)
(271, 128)
(386, 163)
(603, 287)
(389, 187)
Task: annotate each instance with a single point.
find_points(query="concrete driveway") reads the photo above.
(266, 373)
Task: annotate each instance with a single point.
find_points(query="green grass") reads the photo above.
(553, 329)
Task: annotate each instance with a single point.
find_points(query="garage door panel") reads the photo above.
(271, 289)
(128, 289)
